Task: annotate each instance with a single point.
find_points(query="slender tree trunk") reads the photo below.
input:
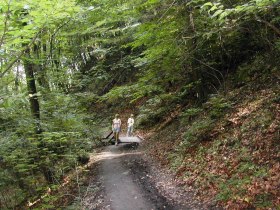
(195, 71)
(34, 104)
(31, 87)
(41, 67)
(17, 78)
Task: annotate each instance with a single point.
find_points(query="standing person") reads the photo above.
(116, 127)
(130, 123)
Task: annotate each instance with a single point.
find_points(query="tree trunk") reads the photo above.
(41, 68)
(31, 87)
(17, 78)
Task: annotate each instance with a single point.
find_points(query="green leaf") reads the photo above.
(217, 13)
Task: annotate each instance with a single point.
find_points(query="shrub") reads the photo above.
(217, 105)
(197, 132)
(156, 109)
(190, 113)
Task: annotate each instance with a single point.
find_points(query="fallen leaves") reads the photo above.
(242, 158)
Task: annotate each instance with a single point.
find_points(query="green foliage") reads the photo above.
(259, 66)
(26, 20)
(231, 186)
(155, 109)
(136, 52)
(176, 160)
(217, 105)
(236, 186)
(132, 92)
(263, 200)
(190, 113)
(197, 132)
(151, 113)
(29, 160)
(26, 159)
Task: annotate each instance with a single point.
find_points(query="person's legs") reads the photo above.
(129, 131)
(117, 135)
(115, 132)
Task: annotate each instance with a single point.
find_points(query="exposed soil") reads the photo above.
(124, 178)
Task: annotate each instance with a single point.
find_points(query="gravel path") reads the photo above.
(123, 180)
(120, 188)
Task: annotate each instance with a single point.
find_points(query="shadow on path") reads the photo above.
(124, 182)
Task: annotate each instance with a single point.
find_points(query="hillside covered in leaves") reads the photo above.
(202, 78)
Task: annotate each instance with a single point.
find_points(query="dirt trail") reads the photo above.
(124, 182)
(121, 190)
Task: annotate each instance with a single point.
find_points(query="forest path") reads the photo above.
(120, 189)
(123, 180)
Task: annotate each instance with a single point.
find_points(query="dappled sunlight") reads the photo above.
(110, 155)
(195, 84)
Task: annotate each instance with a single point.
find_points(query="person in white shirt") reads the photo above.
(130, 123)
(116, 128)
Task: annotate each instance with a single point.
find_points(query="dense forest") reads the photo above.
(207, 71)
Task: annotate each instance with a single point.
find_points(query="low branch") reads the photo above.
(54, 34)
(5, 25)
(270, 25)
(171, 5)
(205, 64)
(19, 55)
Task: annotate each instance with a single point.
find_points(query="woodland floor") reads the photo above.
(124, 178)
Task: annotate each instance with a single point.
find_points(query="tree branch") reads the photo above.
(53, 35)
(171, 5)
(274, 28)
(19, 55)
(5, 24)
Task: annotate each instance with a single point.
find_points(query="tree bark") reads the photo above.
(40, 68)
(31, 87)
(17, 78)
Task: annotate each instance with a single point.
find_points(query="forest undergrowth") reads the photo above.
(228, 149)
(201, 78)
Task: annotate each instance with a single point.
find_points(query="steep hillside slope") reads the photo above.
(229, 148)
